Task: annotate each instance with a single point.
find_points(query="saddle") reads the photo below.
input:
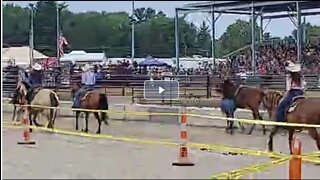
(33, 93)
(294, 104)
(84, 93)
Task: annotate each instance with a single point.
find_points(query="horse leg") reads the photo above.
(263, 126)
(87, 116)
(30, 120)
(35, 115)
(229, 124)
(96, 114)
(290, 138)
(314, 134)
(256, 115)
(77, 119)
(50, 118)
(273, 132)
(14, 114)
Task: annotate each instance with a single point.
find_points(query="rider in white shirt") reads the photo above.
(295, 86)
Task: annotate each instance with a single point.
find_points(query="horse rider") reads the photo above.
(35, 80)
(88, 81)
(228, 97)
(295, 86)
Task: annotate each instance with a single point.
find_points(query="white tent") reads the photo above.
(21, 55)
(82, 56)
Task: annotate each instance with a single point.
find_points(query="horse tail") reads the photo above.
(54, 103)
(104, 105)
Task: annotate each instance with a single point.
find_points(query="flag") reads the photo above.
(62, 42)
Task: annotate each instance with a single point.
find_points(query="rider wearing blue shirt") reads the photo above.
(295, 86)
(88, 81)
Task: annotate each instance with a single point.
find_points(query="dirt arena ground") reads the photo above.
(62, 156)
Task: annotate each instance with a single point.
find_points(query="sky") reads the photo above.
(277, 27)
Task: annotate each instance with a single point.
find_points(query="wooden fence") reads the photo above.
(191, 86)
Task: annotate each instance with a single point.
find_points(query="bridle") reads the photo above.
(21, 93)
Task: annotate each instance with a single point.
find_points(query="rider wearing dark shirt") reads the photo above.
(35, 79)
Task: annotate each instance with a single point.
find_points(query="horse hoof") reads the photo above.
(98, 132)
(16, 123)
(249, 133)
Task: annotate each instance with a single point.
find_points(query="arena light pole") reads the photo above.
(253, 40)
(132, 33)
(31, 40)
(58, 32)
(298, 32)
(213, 37)
(176, 37)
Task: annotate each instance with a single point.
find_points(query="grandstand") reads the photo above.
(264, 10)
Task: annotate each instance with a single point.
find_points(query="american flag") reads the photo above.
(62, 42)
(49, 62)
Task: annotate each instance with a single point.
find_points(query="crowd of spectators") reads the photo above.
(272, 59)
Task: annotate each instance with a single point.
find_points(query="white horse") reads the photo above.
(42, 97)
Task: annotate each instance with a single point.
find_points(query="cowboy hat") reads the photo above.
(37, 67)
(291, 67)
(86, 67)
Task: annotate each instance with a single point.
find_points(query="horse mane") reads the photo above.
(272, 99)
(25, 84)
(228, 88)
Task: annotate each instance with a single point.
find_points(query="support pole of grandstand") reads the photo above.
(58, 32)
(176, 37)
(213, 22)
(31, 40)
(261, 28)
(132, 33)
(252, 38)
(298, 32)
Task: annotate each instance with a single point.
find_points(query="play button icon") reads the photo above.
(161, 89)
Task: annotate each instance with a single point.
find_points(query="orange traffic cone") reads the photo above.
(183, 159)
(295, 162)
(26, 133)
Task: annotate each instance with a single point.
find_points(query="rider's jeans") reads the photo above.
(76, 98)
(286, 102)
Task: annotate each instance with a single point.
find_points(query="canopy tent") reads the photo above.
(150, 61)
(21, 55)
(82, 56)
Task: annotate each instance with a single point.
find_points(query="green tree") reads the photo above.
(16, 25)
(97, 31)
(204, 39)
(236, 36)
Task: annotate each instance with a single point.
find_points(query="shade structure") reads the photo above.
(149, 61)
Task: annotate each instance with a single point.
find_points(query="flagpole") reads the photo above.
(58, 33)
(132, 34)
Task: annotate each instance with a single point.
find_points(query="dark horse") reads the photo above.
(302, 110)
(91, 100)
(242, 97)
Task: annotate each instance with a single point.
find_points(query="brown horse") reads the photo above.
(302, 110)
(244, 97)
(92, 100)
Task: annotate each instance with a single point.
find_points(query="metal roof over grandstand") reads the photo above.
(262, 7)
(264, 10)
